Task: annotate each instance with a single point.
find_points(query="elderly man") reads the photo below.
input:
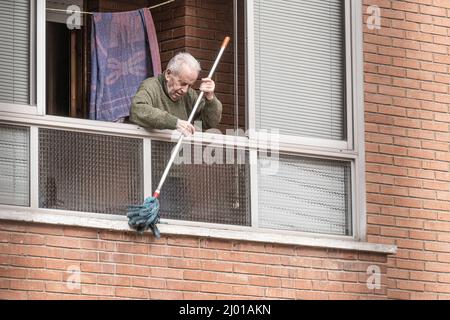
(166, 101)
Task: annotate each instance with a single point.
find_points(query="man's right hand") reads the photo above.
(185, 128)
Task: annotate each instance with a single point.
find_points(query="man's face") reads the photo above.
(179, 84)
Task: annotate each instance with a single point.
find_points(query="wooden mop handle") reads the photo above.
(191, 117)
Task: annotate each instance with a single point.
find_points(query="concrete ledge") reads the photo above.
(120, 223)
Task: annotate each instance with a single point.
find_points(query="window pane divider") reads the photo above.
(34, 167)
(349, 63)
(40, 57)
(33, 36)
(254, 188)
(147, 167)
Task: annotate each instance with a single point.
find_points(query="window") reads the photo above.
(300, 67)
(309, 195)
(14, 165)
(89, 172)
(289, 83)
(195, 191)
(15, 52)
(302, 58)
(68, 52)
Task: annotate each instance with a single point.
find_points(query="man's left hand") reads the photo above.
(208, 86)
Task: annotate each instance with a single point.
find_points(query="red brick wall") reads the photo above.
(36, 262)
(407, 144)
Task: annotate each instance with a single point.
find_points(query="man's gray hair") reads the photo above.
(183, 58)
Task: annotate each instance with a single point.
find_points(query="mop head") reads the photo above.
(142, 217)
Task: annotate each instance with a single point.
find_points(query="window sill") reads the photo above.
(120, 223)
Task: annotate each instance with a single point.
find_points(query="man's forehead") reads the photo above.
(187, 74)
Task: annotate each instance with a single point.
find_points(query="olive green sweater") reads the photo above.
(152, 108)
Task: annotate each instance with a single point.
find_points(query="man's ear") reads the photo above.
(167, 73)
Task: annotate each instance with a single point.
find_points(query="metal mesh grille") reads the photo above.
(14, 165)
(197, 191)
(308, 195)
(89, 172)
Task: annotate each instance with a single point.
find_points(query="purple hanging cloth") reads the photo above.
(124, 52)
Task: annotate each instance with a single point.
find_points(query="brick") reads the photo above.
(398, 274)
(27, 285)
(328, 286)
(410, 265)
(444, 118)
(80, 233)
(379, 178)
(410, 285)
(132, 293)
(45, 275)
(438, 225)
(435, 165)
(421, 193)
(433, 67)
(45, 229)
(396, 211)
(249, 268)
(183, 263)
(433, 10)
(405, 6)
(423, 214)
(394, 232)
(422, 174)
(169, 273)
(434, 106)
(410, 244)
(13, 295)
(443, 98)
(423, 276)
(115, 257)
(216, 288)
(400, 295)
(97, 290)
(183, 285)
(131, 270)
(27, 238)
(422, 235)
(280, 293)
(150, 261)
(121, 281)
(249, 291)
(436, 267)
(132, 248)
(381, 220)
(166, 295)
(409, 223)
(62, 287)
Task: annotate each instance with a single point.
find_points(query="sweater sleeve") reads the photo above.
(210, 111)
(144, 114)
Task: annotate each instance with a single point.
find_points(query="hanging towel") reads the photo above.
(124, 52)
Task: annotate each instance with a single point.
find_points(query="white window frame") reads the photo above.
(353, 152)
(37, 65)
(352, 149)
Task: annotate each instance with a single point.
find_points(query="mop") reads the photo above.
(147, 215)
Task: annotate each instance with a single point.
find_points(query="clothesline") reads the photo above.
(86, 12)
